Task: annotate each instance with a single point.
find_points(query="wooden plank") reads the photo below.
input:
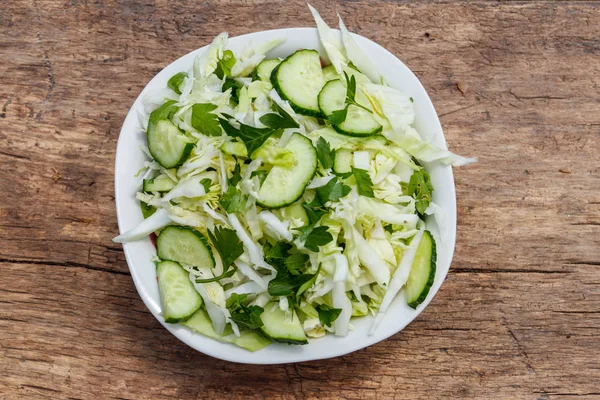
(515, 84)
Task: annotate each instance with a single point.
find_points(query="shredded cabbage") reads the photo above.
(344, 239)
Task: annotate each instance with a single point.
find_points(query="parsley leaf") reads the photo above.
(252, 137)
(227, 243)
(225, 64)
(278, 251)
(176, 81)
(237, 175)
(421, 189)
(319, 236)
(350, 88)
(314, 237)
(165, 111)
(233, 201)
(246, 317)
(306, 285)
(364, 184)
(286, 284)
(337, 117)
(314, 213)
(327, 315)
(296, 262)
(235, 88)
(229, 247)
(324, 153)
(206, 183)
(333, 191)
(282, 120)
(204, 121)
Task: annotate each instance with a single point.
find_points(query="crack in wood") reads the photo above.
(504, 271)
(67, 264)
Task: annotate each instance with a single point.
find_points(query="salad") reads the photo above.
(286, 196)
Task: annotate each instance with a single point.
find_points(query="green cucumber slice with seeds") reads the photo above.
(281, 326)
(167, 144)
(179, 298)
(342, 162)
(184, 245)
(161, 183)
(358, 122)
(284, 185)
(264, 69)
(422, 272)
(299, 79)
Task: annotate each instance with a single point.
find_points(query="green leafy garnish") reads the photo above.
(339, 116)
(166, 111)
(296, 262)
(206, 183)
(176, 81)
(421, 189)
(314, 210)
(278, 251)
(314, 237)
(333, 191)
(252, 137)
(246, 317)
(282, 120)
(324, 153)
(225, 64)
(147, 209)
(306, 285)
(327, 315)
(227, 243)
(204, 121)
(235, 88)
(286, 284)
(229, 247)
(233, 200)
(237, 175)
(364, 184)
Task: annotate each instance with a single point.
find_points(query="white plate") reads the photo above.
(130, 159)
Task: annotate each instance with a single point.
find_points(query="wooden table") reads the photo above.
(516, 84)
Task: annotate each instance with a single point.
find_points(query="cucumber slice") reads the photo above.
(161, 183)
(167, 144)
(177, 293)
(299, 79)
(296, 211)
(422, 272)
(330, 73)
(284, 185)
(237, 149)
(264, 69)
(250, 340)
(342, 162)
(184, 245)
(358, 122)
(282, 327)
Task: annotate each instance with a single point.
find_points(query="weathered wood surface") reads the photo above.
(519, 314)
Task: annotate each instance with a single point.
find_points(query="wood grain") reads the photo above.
(516, 84)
